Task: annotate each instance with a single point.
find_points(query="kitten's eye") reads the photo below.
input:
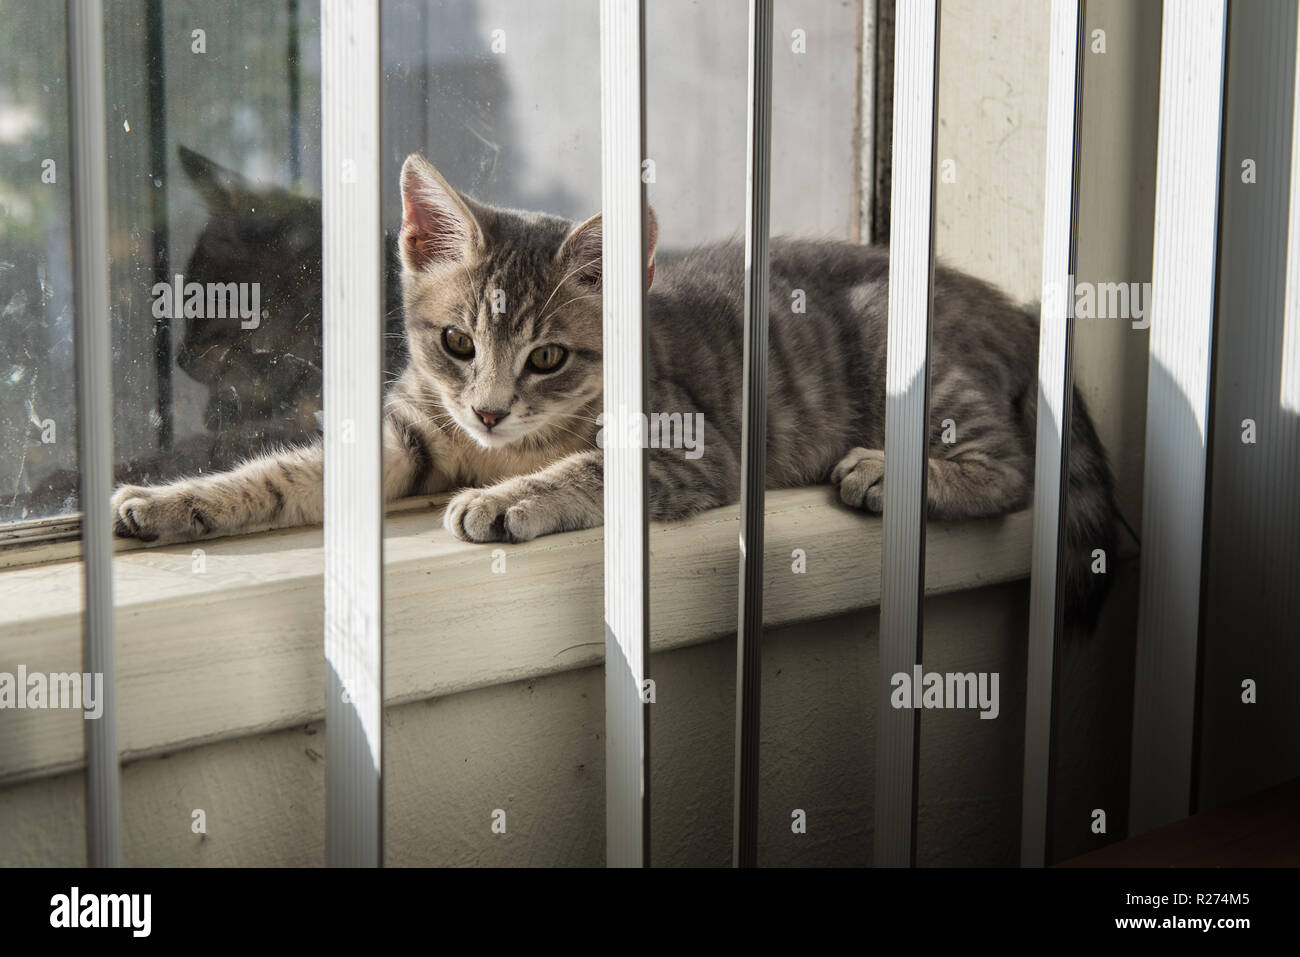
(547, 358)
(457, 343)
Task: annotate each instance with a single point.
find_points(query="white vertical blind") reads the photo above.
(1055, 388)
(911, 273)
(353, 351)
(89, 155)
(627, 593)
(749, 632)
(1183, 279)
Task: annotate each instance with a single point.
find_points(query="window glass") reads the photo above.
(38, 439)
(213, 163)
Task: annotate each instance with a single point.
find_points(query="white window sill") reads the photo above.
(236, 649)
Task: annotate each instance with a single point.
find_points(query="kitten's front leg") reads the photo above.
(285, 488)
(570, 495)
(274, 489)
(562, 497)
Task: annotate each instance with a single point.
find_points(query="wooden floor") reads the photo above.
(1259, 831)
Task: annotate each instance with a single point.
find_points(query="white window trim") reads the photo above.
(235, 650)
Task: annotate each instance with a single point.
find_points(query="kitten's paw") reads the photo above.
(496, 514)
(153, 513)
(861, 478)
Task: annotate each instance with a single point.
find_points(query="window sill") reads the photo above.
(236, 650)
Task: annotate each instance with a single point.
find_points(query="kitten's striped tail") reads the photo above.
(1088, 534)
(1089, 529)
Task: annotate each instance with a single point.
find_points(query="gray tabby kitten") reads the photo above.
(502, 392)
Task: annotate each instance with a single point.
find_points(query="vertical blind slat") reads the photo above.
(1290, 389)
(911, 273)
(1183, 276)
(1055, 388)
(627, 593)
(353, 352)
(749, 634)
(88, 140)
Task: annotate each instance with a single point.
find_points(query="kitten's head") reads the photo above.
(503, 311)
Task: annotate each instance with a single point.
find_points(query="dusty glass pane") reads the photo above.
(38, 440)
(214, 126)
(213, 157)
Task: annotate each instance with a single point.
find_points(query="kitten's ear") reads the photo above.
(221, 189)
(582, 253)
(437, 225)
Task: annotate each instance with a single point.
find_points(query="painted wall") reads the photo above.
(535, 750)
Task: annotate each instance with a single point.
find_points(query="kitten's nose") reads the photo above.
(490, 418)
